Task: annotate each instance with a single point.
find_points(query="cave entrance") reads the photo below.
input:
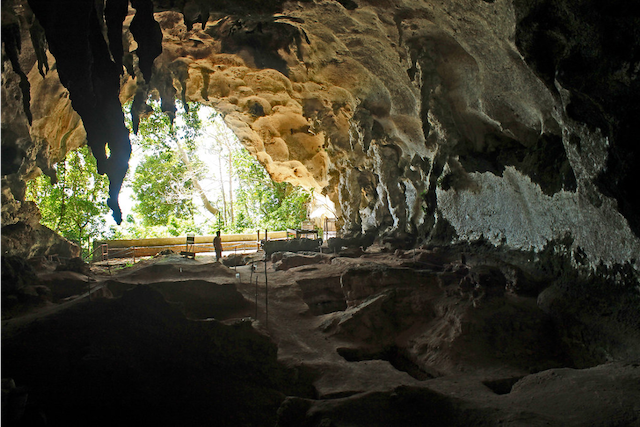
(192, 175)
(186, 175)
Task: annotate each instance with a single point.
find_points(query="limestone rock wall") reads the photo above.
(25, 153)
(423, 121)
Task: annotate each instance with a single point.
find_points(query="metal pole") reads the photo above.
(256, 297)
(325, 231)
(266, 292)
(258, 243)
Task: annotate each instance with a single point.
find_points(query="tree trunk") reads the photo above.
(205, 201)
(224, 200)
(230, 187)
(62, 182)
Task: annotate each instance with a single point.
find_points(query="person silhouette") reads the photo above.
(217, 245)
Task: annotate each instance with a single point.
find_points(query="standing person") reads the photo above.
(217, 244)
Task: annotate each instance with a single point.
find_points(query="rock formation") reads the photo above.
(508, 122)
(484, 152)
(502, 124)
(387, 339)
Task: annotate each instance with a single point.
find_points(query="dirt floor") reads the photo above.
(409, 338)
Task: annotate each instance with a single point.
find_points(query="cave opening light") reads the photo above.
(214, 182)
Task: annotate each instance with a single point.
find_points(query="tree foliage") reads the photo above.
(162, 189)
(165, 182)
(74, 207)
(165, 186)
(263, 203)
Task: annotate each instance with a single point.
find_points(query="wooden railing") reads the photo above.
(127, 248)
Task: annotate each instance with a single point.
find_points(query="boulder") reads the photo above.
(65, 284)
(17, 273)
(291, 260)
(293, 245)
(362, 241)
(323, 295)
(76, 265)
(363, 281)
(234, 260)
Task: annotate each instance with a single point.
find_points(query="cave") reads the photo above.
(480, 156)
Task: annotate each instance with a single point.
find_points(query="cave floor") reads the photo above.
(374, 340)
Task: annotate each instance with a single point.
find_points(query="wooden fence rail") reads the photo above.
(150, 247)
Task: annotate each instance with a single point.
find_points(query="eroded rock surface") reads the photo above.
(442, 122)
(100, 364)
(201, 290)
(502, 130)
(357, 341)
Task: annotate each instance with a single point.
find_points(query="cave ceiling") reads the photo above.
(443, 121)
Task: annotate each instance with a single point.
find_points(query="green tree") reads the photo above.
(261, 202)
(167, 179)
(162, 189)
(219, 140)
(74, 207)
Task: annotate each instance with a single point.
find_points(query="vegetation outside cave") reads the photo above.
(189, 176)
(75, 206)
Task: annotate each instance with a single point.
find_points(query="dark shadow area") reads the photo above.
(502, 386)
(587, 46)
(136, 360)
(396, 356)
(545, 162)
(201, 299)
(263, 36)
(399, 407)
(323, 295)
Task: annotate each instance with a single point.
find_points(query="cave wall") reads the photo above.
(24, 156)
(441, 122)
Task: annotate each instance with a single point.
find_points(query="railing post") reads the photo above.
(324, 231)
(266, 291)
(256, 295)
(253, 267)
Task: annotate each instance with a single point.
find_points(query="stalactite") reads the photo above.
(115, 12)
(139, 106)
(147, 34)
(39, 42)
(12, 45)
(85, 67)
